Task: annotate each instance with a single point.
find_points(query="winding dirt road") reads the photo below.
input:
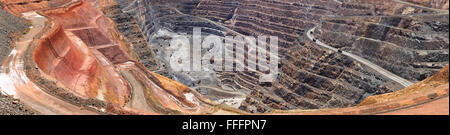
(366, 62)
(19, 85)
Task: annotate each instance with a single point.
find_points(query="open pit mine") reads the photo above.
(109, 57)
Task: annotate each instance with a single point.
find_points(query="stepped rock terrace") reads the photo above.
(336, 56)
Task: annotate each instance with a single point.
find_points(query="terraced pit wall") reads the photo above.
(20, 6)
(417, 44)
(41, 47)
(83, 73)
(311, 77)
(81, 58)
(127, 25)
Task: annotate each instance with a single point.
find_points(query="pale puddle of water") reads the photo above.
(10, 77)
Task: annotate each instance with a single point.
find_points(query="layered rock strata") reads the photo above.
(311, 77)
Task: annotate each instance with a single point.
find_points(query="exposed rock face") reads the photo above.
(411, 46)
(127, 25)
(80, 57)
(19, 6)
(311, 77)
(74, 63)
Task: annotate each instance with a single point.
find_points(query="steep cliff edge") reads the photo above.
(81, 58)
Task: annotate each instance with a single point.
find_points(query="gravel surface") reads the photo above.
(11, 106)
(10, 28)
